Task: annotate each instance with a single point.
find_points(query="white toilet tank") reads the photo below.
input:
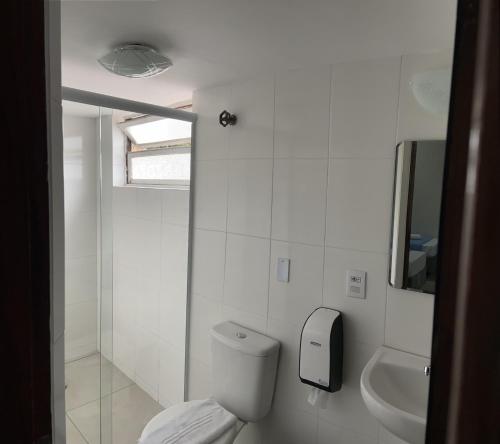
(244, 365)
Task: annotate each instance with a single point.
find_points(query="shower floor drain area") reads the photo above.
(131, 407)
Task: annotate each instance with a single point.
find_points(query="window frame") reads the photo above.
(141, 120)
(157, 152)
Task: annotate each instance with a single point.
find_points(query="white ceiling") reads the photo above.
(214, 41)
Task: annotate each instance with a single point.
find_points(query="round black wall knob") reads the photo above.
(226, 118)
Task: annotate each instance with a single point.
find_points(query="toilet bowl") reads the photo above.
(244, 365)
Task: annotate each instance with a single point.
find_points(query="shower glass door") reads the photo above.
(131, 174)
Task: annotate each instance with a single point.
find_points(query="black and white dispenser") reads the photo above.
(321, 350)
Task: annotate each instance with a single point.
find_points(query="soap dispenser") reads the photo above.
(321, 350)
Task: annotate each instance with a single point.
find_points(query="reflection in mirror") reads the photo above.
(417, 207)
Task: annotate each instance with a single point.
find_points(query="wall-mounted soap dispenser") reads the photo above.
(321, 350)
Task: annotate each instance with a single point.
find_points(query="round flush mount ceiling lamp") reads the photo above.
(135, 60)
(431, 90)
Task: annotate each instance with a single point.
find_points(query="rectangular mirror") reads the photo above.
(418, 187)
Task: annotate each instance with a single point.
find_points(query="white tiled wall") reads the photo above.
(80, 201)
(150, 250)
(307, 174)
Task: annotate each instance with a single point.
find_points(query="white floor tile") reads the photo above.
(73, 436)
(132, 408)
(83, 380)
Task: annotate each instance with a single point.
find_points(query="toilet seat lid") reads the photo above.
(171, 417)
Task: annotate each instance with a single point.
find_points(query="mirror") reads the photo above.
(418, 187)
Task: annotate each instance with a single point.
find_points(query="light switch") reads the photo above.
(283, 270)
(356, 284)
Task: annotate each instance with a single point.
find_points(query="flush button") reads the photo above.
(241, 335)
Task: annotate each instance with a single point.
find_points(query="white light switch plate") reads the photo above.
(283, 270)
(356, 284)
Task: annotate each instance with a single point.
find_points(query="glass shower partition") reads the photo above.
(105, 419)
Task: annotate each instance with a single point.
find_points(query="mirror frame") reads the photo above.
(405, 152)
(404, 177)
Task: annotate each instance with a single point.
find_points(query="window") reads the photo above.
(159, 150)
(160, 166)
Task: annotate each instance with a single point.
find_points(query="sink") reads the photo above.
(395, 390)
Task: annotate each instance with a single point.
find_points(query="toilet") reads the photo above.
(244, 365)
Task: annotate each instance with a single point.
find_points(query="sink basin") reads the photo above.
(395, 390)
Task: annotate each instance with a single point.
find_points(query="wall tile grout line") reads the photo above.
(328, 172)
(277, 239)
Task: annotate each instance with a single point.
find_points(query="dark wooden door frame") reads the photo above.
(465, 382)
(464, 403)
(25, 391)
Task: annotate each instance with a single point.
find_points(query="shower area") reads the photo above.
(127, 171)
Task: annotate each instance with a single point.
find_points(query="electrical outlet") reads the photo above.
(356, 284)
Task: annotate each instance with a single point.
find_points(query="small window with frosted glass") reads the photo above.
(159, 151)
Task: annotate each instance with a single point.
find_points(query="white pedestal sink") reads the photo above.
(395, 390)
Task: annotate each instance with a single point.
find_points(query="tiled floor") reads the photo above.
(130, 407)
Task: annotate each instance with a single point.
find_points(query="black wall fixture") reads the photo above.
(226, 118)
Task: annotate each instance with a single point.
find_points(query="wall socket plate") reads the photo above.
(283, 270)
(356, 284)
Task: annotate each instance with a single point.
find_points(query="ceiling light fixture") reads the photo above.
(135, 60)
